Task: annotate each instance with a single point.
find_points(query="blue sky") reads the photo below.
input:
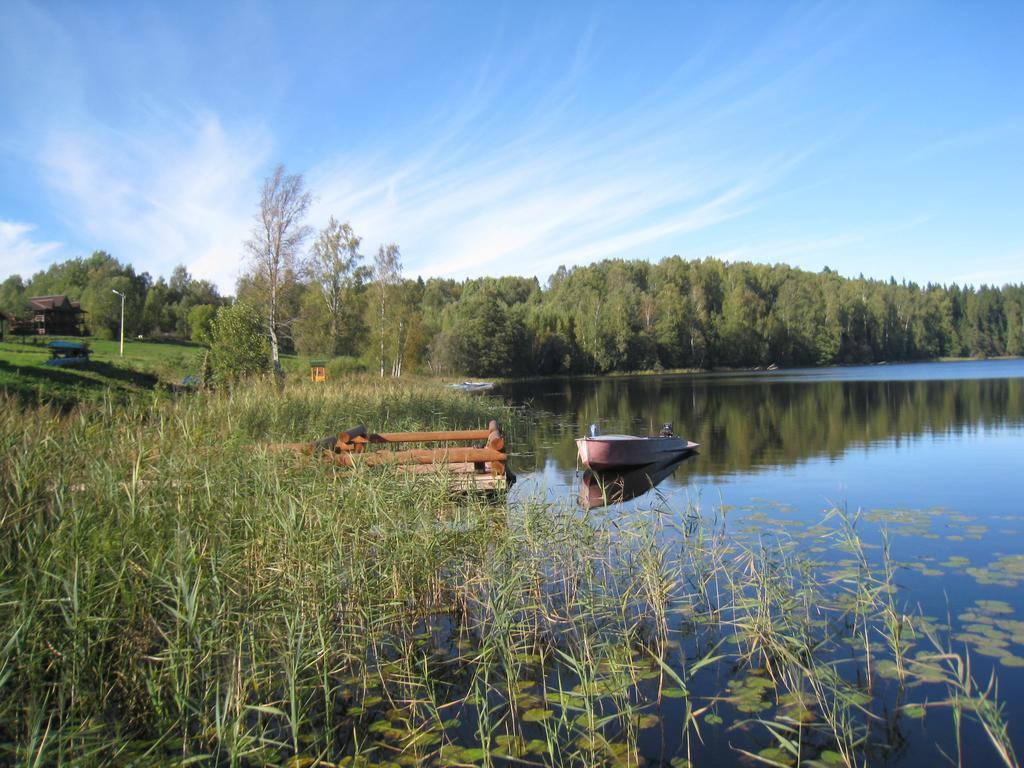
(487, 138)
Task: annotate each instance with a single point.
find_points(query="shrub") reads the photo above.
(200, 322)
(238, 345)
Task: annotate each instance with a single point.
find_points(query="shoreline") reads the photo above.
(724, 370)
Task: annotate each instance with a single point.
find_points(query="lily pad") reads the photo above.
(647, 721)
(776, 755)
(994, 606)
(537, 715)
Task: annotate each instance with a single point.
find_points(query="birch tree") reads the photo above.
(387, 271)
(334, 268)
(275, 245)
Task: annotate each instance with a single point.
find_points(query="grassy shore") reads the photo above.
(145, 366)
(173, 592)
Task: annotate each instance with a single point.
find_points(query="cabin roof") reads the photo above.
(58, 301)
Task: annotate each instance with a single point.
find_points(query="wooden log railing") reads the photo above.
(422, 456)
(430, 437)
(349, 448)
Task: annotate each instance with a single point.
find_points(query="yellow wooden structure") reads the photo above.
(318, 370)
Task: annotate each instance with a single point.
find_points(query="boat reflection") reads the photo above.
(614, 486)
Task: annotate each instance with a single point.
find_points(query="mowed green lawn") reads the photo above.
(25, 375)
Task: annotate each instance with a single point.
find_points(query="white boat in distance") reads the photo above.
(472, 386)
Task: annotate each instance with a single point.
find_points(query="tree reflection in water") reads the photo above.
(747, 422)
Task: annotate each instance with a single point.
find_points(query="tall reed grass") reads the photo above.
(173, 592)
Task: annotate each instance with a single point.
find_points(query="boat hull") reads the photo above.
(610, 451)
(602, 488)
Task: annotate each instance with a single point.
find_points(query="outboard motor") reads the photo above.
(593, 430)
(666, 430)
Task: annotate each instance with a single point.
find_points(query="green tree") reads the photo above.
(438, 298)
(238, 345)
(985, 324)
(157, 312)
(490, 336)
(186, 292)
(12, 295)
(387, 272)
(103, 306)
(551, 354)
(90, 281)
(200, 321)
(337, 277)
(742, 309)
(311, 334)
(408, 339)
(1015, 323)
(275, 247)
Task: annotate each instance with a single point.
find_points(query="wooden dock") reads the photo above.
(483, 467)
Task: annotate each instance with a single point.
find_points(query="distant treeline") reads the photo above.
(755, 422)
(180, 307)
(615, 315)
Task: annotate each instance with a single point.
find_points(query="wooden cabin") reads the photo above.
(51, 316)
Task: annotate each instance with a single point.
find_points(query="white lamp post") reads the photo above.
(122, 318)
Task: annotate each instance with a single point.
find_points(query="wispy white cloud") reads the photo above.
(184, 194)
(482, 188)
(125, 160)
(814, 251)
(976, 137)
(20, 252)
(618, 188)
(545, 188)
(536, 140)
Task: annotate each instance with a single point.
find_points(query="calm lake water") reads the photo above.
(932, 454)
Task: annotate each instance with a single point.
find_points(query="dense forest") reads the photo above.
(615, 315)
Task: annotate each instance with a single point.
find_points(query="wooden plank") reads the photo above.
(429, 437)
(419, 456)
(464, 481)
(454, 467)
(357, 444)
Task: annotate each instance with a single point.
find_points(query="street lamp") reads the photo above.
(122, 318)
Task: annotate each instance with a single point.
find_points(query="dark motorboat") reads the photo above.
(608, 451)
(600, 489)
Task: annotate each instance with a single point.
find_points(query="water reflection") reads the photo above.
(927, 461)
(747, 422)
(614, 486)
